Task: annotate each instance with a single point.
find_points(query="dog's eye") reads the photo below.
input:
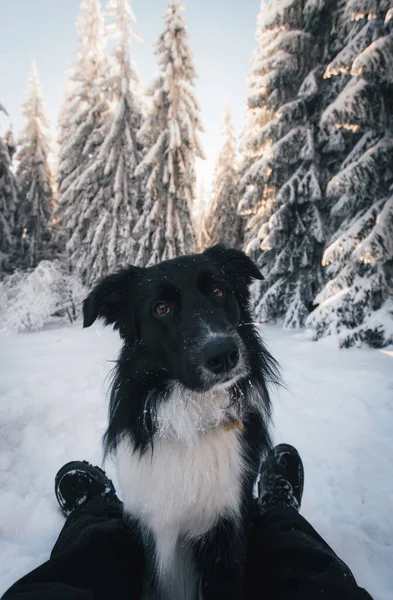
(218, 292)
(161, 309)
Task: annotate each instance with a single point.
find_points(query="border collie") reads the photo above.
(188, 416)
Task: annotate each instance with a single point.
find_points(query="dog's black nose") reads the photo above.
(221, 355)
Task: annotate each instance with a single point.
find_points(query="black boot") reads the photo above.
(78, 482)
(281, 479)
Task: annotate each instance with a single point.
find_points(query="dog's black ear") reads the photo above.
(234, 263)
(110, 300)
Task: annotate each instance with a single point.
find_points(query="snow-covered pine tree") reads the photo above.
(34, 178)
(84, 112)
(281, 176)
(357, 301)
(222, 224)
(170, 132)
(8, 203)
(201, 202)
(106, 195)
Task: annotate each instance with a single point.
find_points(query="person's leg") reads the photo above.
(95, 556)
(287, 558)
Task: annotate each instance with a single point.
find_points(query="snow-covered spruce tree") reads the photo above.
(84, 111)
(8, 203)
(170, 132)
(201, 202)
(281, 174)
(357, 301)
(106, 195)
(222, 224)
(34, 178)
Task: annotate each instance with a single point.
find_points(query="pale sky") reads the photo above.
(222, 38)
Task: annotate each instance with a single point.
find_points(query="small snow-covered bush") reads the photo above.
(48, 294)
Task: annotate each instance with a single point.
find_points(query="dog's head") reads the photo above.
(185, 317)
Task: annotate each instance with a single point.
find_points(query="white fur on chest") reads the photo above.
(193, 476)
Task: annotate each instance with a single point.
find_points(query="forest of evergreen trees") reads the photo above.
(307, 192)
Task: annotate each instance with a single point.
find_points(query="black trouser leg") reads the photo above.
(95, 557)
(221, 558)
(288, 560)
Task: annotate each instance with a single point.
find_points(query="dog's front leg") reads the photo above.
(221, 558)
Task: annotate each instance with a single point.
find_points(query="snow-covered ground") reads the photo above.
(338, 411)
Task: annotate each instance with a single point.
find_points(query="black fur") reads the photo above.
(159, 352)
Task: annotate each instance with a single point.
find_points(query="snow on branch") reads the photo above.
(298, 143)
(309, 189)
(378, 245)
(259, 140)
(352, 108)
(312, 11)
(284, 52)
(343, 246)
(248, 205)
(260, 170)
(279, 221)
(360, 176)
(343, 61)
(280, 13)
(368, 139)
(288, 193)
(357, 10)
(376, 60)
(310, 84)
(294, 112)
